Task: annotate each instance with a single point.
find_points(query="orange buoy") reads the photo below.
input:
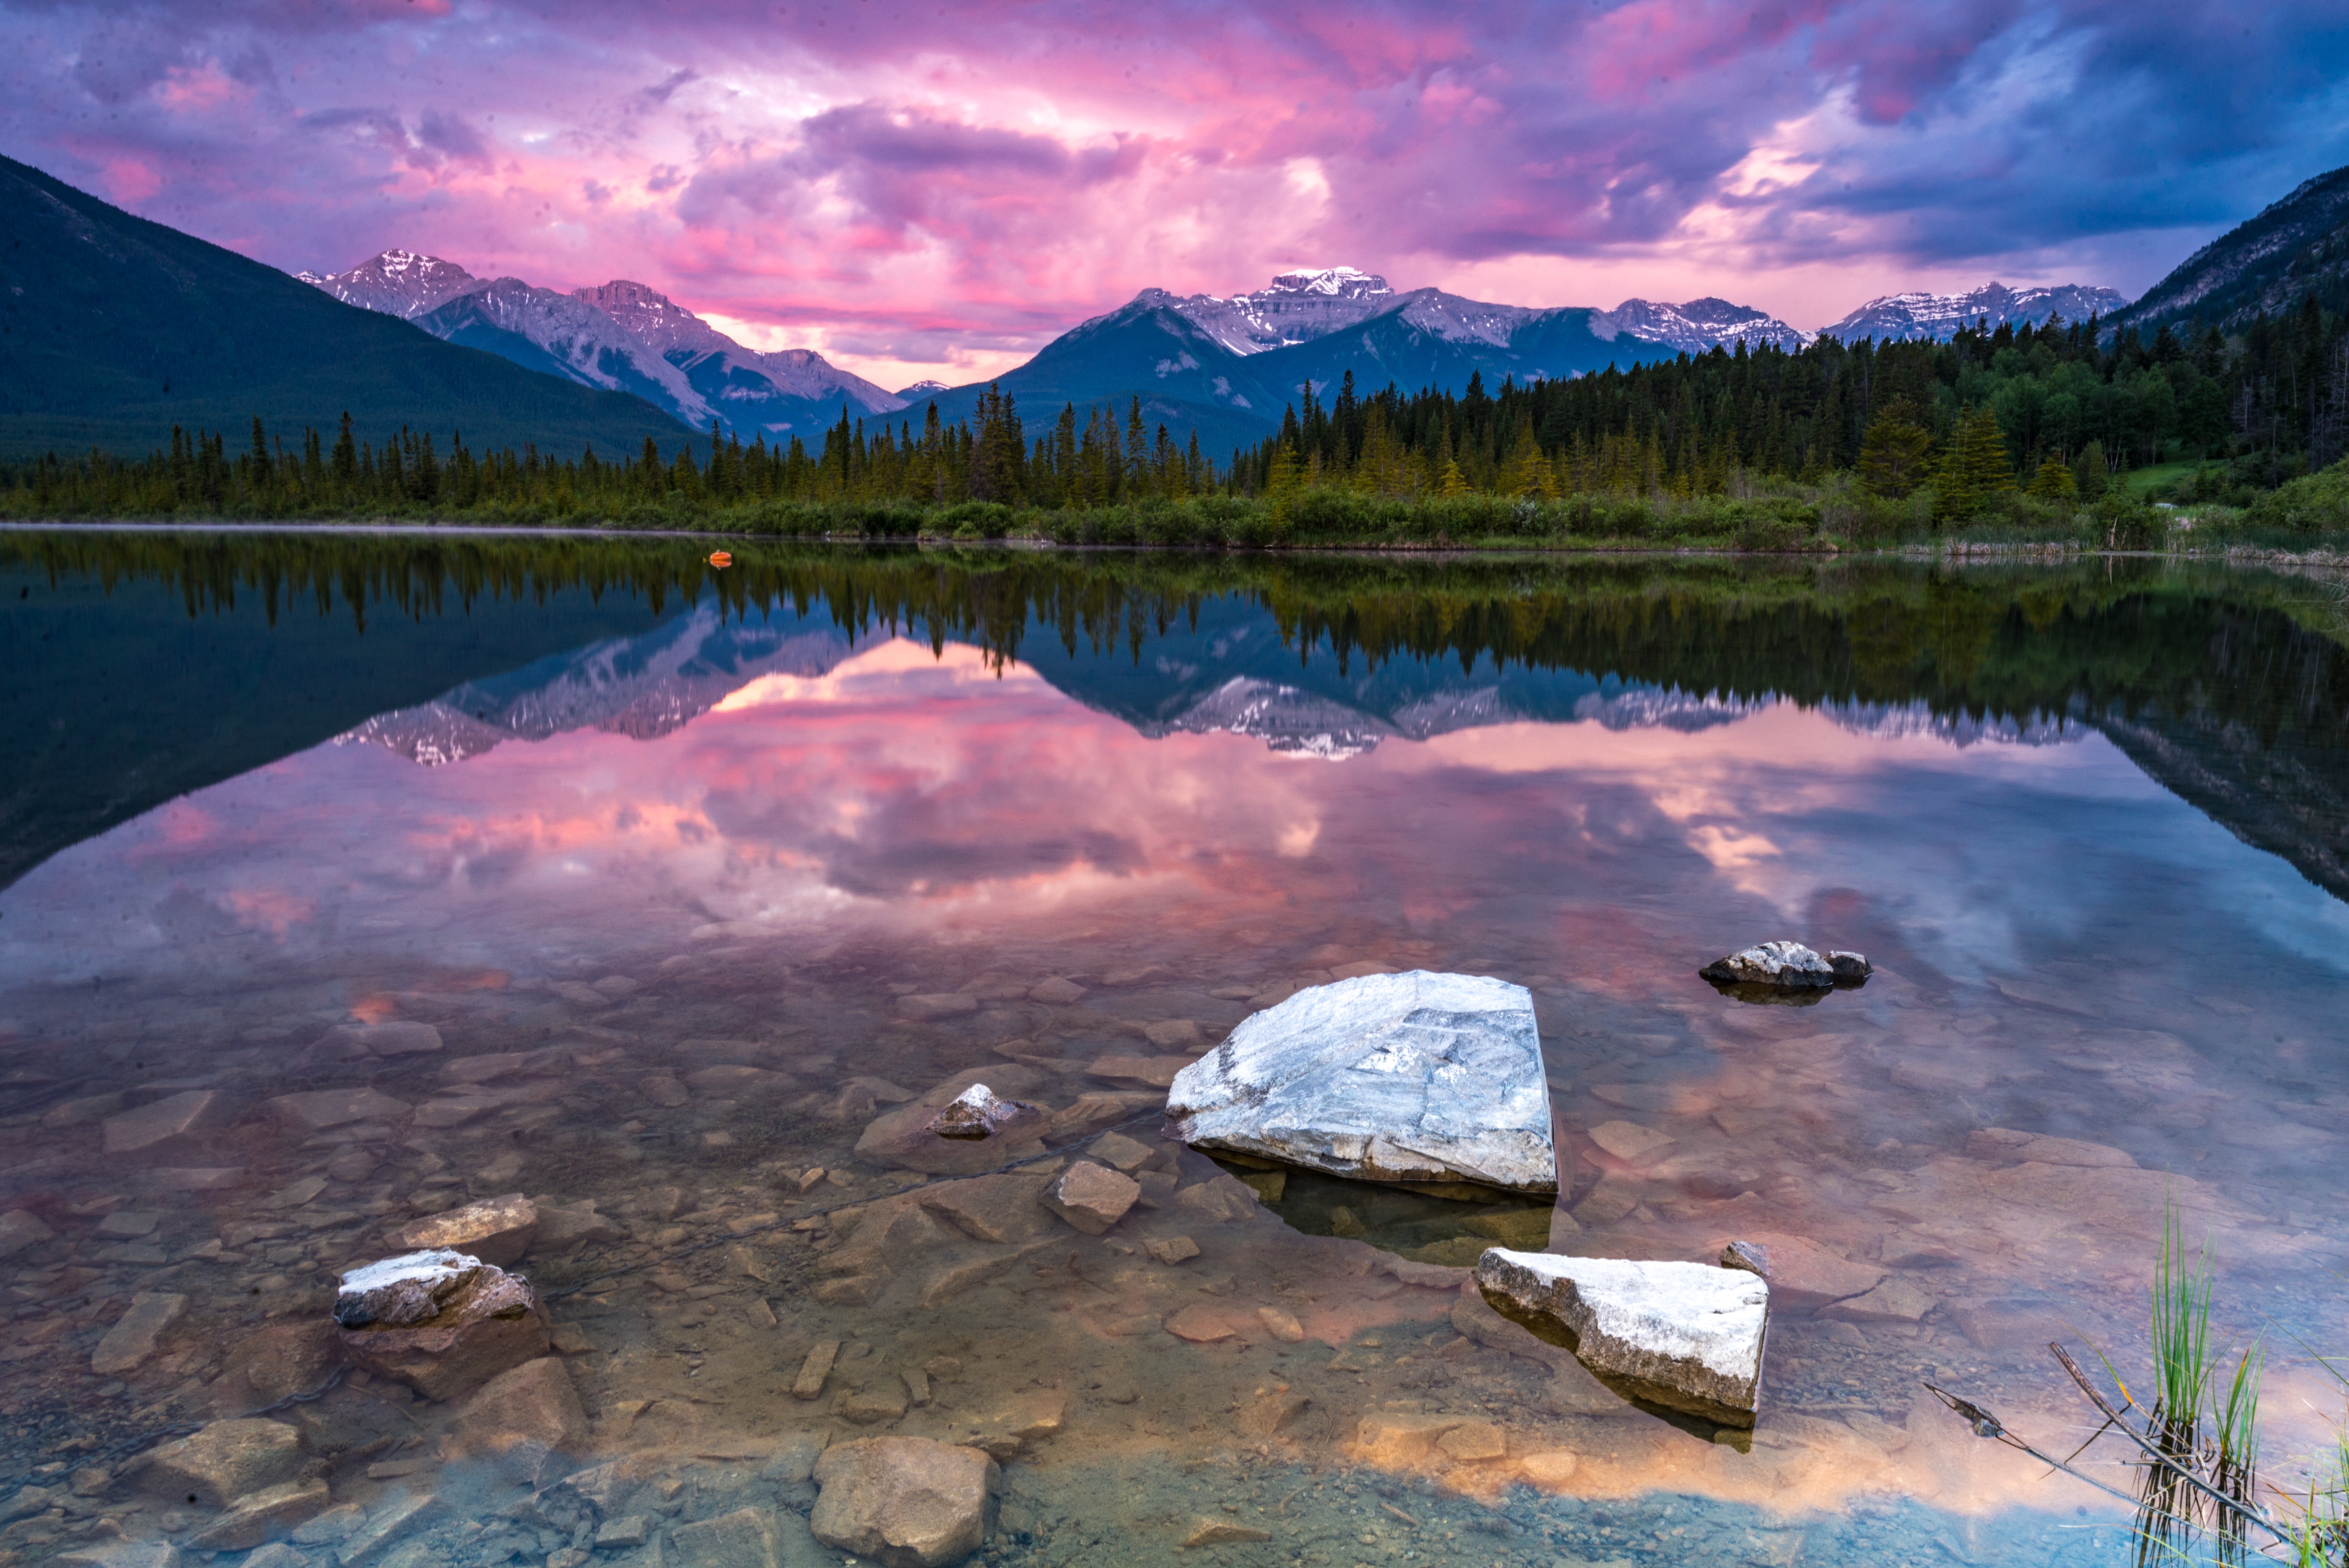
(720, 560)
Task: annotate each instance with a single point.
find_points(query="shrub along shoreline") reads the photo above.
(2306, 518)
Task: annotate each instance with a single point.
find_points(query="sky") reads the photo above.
(932, 191)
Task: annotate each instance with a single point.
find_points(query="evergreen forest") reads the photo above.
(2045, 432)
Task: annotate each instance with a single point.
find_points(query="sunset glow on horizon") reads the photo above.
(933, 191)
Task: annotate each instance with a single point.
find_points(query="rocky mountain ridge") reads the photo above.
(118, 329)
(621, 336)
(2290, 250)
(1908, 317)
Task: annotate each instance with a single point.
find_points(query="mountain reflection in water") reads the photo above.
(693, 896)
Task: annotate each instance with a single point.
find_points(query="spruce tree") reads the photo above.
(2090, 477)
(2054, 482)
(1892, 453)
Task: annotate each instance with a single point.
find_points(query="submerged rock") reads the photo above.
(1091, 1197)
(976, 1112)
(495, 1230)
(409, 1288)
(909, 1503)
(1416, 1077)
(533, 1404)
(133, 1339)
(1684, 1336)
(226, 1461)
(263, 1515)
(441, 1322)
(1787, 966)
(952, 1131)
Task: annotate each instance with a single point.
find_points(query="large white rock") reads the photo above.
(1685, 1335)
(1391, 1078)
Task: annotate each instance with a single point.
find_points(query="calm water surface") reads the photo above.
(678, 868)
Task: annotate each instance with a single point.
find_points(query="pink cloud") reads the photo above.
(907, 186)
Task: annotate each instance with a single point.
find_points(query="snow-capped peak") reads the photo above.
(1338, 283)
(405, 284)
(1697, 325)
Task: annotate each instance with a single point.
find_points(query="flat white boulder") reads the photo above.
(1684, 1336)
(1410, 1078)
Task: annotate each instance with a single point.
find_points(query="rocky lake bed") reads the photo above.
(731, 1129)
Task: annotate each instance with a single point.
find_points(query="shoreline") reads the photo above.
(1955, 551)
(2321, 558)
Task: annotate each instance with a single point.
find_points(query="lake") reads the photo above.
(352, 878)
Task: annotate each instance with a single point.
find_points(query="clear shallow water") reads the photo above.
(2084, 823)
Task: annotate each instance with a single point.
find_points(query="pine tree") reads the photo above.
(1974, 469)
(2090, 477)
(1527, 474)
(2054, 482)
(1137, 453)
(1892, 453)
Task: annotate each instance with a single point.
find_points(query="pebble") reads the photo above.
(1474, 1442)
(256, 1517)
(815, 1369)
(999, 1209)
(282, 1359)
(133, 1339)
(746, 1537)
(532, 1403)
(177, 1124)
(1281, 1325)
(877, 1402)
(19, 1229)
(382, 1529)
(1092, 1198)
(1199, 1324)
(931, 1008)
(225, 1461)
(129, 1222)
(1629, 1141)
(393, 1040)
(1171, 1249)
(1158, 1072)
(1552, 1467)
(632, 1530)
(497, 1231)
(316, 1111)
(1126, 1154)
(909, 1503)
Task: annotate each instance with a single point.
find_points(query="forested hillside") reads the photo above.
(114, 330)
(1942, 434)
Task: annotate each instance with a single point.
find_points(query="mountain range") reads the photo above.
(1220, 365)
(114, 329)
(1930, 317)
(620, 337)
(1226, 667)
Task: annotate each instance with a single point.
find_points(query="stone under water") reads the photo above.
(1415, 1078)
(1687, 1336)
(1788, 966)
(441, 1322)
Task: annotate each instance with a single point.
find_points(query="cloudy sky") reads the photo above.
(935, 189)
